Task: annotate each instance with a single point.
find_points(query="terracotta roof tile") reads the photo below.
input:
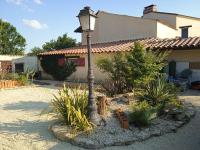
(125, 45)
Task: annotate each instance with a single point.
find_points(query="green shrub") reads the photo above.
(134, 69)
(112, 88)
(12, 76)
(115, 68)
(62, 72)
(144, 65)
(71, 106)
(51, 66)
(142, 114)
(3, 75)
(23, 79)
(159, 93)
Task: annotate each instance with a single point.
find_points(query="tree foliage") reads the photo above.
(135, 69)
(11, 42)
(35, 51)
(61, 42)
(116, 69)
(143, 65)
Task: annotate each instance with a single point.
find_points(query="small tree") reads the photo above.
(116, 69)
(11, 42)
(143, 65)
(134, 69)
(61, 42)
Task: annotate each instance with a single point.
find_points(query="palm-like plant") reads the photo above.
(159, 92)
(71, 106)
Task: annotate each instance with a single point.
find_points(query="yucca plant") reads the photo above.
(159, 91)
(71, 106)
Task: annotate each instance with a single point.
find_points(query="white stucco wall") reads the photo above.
(9, 57)
(169, 19)
(81, 72)
(164, 31)
(195, 23)
(114, 27)
(178, 21)
(30, 62)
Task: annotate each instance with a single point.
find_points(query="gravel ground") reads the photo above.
(23, 128)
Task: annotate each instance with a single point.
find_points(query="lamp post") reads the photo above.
(87, 19)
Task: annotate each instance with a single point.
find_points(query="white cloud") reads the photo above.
(35, 24)
(22, 3)
(17, 2)
(38, 2)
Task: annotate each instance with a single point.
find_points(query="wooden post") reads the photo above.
(101, 105)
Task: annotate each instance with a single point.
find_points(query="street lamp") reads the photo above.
(87, 19)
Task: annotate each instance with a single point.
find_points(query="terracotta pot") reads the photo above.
(5, 84)
(125, 124)
(9, 84)
(1, 84)
(123, 119)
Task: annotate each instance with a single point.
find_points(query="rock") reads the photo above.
(175, 111)
(129, 96)
(179, 123)
(180, 117)
(124, 98)
(87, 143)
(144, 134)
(155, 132)
(190, 113)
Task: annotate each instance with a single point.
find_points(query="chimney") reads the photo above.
(149, 9)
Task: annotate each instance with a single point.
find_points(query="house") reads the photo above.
(17, 64)
(114, 27)
(156, 30)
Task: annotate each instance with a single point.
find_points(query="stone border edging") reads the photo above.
(158, 128)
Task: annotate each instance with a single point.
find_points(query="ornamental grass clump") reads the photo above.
(142, 114)
(71, 106)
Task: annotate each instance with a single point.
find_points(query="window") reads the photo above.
(194, 65)
(19, 67)
(77, 60)
(80, 62)
(185, 31)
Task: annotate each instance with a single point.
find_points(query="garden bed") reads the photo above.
(112, 134)
(8, 84)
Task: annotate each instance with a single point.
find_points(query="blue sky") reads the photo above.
(42, 20)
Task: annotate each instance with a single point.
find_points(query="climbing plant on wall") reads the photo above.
(51, 65)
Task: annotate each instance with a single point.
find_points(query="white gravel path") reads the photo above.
(22, 127)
